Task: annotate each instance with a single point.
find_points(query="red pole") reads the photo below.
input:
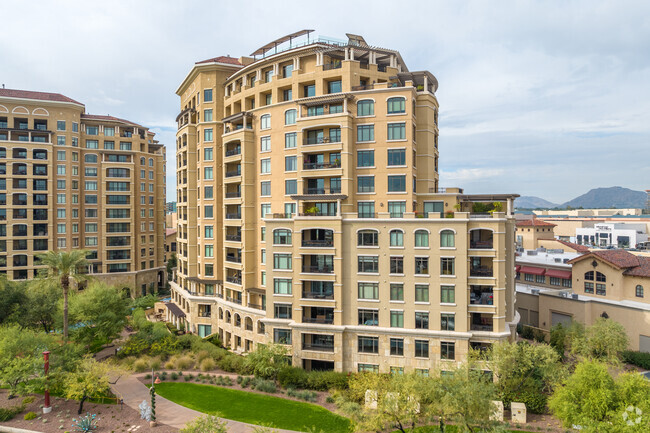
(46, 407)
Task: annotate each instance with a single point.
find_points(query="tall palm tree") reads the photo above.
(64, 266)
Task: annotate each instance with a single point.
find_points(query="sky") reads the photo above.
(537, 98)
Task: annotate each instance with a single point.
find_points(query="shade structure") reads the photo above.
(531, 270)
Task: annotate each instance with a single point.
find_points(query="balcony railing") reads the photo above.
(233, 238)
(477, 327)
(481, 272)
(318, 269)
(320, 165)
(317, 243)
(236, 194)
(233, 216)
(322, 190)
(322, 320)
(481, 298)
(321, 140)
(318, 347)
(233, 152)
(256, 306)
(235, 300)
(318, 295)
(233, 173)
(283, 215)
(233, 259)
(234, 280)
(311, 214)
(366, 215)
(205, 314)
(332, 65)
(481, 245)
(480, 215)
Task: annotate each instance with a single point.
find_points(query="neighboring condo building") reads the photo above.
(72, 180)
(309, 214)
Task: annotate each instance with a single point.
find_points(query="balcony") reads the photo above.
(234, 173)
(233, 238)
(236, 194)
(318, 290)
(319, 315)
(233, 259)
(320, 165)
(256, 306)
(233, 216)
(481, 322)
(332, 65)
(308, 141)
(318, 269)
(309, 243)
(481, 239)
(481, 267)
(320, 191)
(317, 238)
(234, 280)
(234, 300)
(481, 295)
(233, 152)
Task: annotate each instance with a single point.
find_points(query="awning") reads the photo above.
(175, 309)
(517, 268)
(557, 273)
(531, 270)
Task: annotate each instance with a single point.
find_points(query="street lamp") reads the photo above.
(47, 408)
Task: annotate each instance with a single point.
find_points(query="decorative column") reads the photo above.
(47, 408)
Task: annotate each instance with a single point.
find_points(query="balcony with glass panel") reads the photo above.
(317, 238)
(233, 255)
(318, 209)
(326, 135)
(481, 322)
(232, 172)
(481, 267)
(318, 342)
(481, 295)
(319, 315)
(317, 264)
(318, 290)
(481, 239)
(233, 276)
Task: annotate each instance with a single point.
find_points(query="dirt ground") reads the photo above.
(111, 418)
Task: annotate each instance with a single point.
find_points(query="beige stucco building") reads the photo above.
(309, 214)
(603, 283)
(74, 180)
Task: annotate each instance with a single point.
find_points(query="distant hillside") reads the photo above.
(604, 198)
(531, 202)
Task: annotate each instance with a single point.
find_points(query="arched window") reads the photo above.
(142, 160)
(227, 316)
(237, 320)
(282, 237)
(396, 105)
(150, 162)
(366, 108)
(447, 239)
(249, 323)
(589, 275)
(367, 238)
(290, 117)
(601, 277)
(220, 313)
(421, 238)
(396, 238)
(265, 121)
(639, 291)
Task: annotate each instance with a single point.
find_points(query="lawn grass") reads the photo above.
(253, 408)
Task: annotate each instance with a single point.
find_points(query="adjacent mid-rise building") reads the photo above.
(72, 180)
(310, 215)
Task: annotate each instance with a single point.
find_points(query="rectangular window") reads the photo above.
(396, 131)
(207, 115)
(447, 266)
(208, 173)
(282, 311)
(397, 347)
(282, 261)
(397, 292)
(368, 344)
(60, 140)
(397, 183)
(447, 350)
(601, 289)
(265, 209)
(92, 144)
(396, 157)
(448, 294)
(421, 293)
(365, 133)
(365, 183)
(368, 290)
(396, 209)
(422, 266)
(365, 158)
(290, 186)
(368, 264)
(366, 209)
(287, 95)
(368, 368)
(92, 130)
(365, 108)
(265, 188)
(397, 105)
(207, 154)
(421, 320)
(265, 166)
(208, 192)
(60, 125)
(265, 144)
(421, 349)
(209, 232)
(290, 163)
(109, 131)
(125, 145)
(207, 95)
(282, 286)
(290, 140)
(109, 145)
(541, 279)
(207, 134)
(334, 87)
(447, 322)
(209, 251)
(309, 90)
(208, 212)
(397, 265)
(397, 319)
(282, 336)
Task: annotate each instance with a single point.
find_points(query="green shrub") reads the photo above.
(184, 362)
(302, 394)
(214, 340)
(233, 363)
(147, 376)
(174, 376)
(208, 364)
(167, 345)
(264, 385)
(29, 399)
(293, 377)
(155, 363)
(526, 332)
(325, 380)
(133, 346)
(329, 399)
(640, 359)
(187, 378)
(8, 413)
(245, 381)
(201, 355)
(30, 416)
(140, 365)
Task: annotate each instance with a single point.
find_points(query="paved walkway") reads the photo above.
(167, 412)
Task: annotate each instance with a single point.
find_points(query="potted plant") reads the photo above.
(496, 207)
(312, 210)
(449, 214)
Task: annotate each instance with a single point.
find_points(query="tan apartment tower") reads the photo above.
(310, 215)
(72, 180)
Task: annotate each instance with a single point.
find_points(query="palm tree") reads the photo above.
(63, 266)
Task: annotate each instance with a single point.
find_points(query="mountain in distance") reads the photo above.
(604, 198)
(597, 198)
(532, 202)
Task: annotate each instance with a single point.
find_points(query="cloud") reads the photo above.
(470, 174)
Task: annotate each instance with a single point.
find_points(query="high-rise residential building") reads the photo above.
(309, 213)
(72, 180)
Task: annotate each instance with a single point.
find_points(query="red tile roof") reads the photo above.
(42, 96)
(169, 232)
(578, 248)
(222, 59)
(621, 259)
(108, 119)
(534, 223)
